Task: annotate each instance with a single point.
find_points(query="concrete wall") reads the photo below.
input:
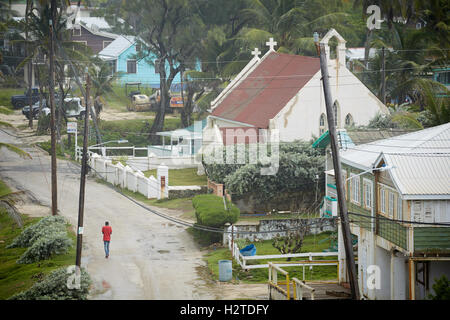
(317, 225)
(383, 261)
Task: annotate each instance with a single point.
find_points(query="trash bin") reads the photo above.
(225, 270)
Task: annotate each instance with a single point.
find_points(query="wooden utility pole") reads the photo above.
(52, 110)
(30, 64)
(83, 176)
(383, 77)
(351, 268)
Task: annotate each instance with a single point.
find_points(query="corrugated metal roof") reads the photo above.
(115, 48)
(424, 175)
(267, 89)
(421, 160)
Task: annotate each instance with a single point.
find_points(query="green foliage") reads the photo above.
(54, 287)
(43, 239)
(298, 166)
(33, 232)
(46, 246)
(210, 210)
(442, 289)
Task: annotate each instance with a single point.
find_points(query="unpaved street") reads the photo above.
(150, 257)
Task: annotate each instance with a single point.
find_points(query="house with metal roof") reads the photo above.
(284, 92)
(122, 55)
(398, 198)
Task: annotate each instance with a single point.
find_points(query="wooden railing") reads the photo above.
(299, 286)
(273, 279)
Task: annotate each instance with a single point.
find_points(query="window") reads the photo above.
(348, 120)
(428, 211)
(399, 208)
(382, 200)
(368, 191)
(336, 113)
(417, 211)
(131, 66)
(391, 196)
(76, 31)
(322, 123)
(355, 188)
(138, 47)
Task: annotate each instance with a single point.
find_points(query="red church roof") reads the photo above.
(267, 89)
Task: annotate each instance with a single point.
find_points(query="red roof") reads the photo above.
(267, 89)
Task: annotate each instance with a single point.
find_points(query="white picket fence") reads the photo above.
(133, 180)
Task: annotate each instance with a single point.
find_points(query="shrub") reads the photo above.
(32, 233)
(54, 287)
(210, 210)
(442, 289)
(45, 246)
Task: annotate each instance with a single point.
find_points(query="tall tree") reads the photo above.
(169, 32)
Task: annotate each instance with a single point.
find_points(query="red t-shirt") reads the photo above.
(106, 230)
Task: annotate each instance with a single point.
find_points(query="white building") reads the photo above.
(284, 92)
(398, 199)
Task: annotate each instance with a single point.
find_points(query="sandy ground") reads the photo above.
(150, 258)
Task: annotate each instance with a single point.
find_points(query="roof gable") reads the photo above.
(267, 89)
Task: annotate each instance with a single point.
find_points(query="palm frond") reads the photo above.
(13, 148)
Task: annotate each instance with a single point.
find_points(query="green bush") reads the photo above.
(43, 239)
(54, 287)
(441, 288)
(33, 232)
(46, 246)
(210, 211)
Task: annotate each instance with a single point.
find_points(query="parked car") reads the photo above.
(73, 108)
(35, 110)
(21, 100)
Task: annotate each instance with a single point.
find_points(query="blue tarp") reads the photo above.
(249, 250)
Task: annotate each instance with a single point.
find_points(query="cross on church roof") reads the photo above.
(271, 44)
(256, 53)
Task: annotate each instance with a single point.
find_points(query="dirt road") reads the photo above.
(150, 257)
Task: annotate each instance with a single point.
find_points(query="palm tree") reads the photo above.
(102, 82)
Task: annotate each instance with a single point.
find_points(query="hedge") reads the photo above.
(210, 210)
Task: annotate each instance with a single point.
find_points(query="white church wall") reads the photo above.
(299, 119)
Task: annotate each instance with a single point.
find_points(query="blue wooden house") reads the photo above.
(121, 54)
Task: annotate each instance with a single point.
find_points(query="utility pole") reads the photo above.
(383, 77)
(30, 65)
(351, 268)
(83, 177)
(52, 110)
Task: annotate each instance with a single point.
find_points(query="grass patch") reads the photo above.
(14, 277)
(310, 244)
(5, 96)
(182, 177)
(5, 110)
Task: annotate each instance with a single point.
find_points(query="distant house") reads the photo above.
(92, 37)
(397, 192)
(284, 92)
(121, 54)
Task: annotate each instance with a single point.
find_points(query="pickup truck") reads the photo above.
(21, 100)
(35, 108)
(72, 108)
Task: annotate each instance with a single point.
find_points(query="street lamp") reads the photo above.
(103, 150)
(382, 168)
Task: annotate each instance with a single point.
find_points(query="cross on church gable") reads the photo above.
(256, 53)
(271, 44)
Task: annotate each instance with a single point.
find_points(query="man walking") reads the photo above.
(107, 231)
